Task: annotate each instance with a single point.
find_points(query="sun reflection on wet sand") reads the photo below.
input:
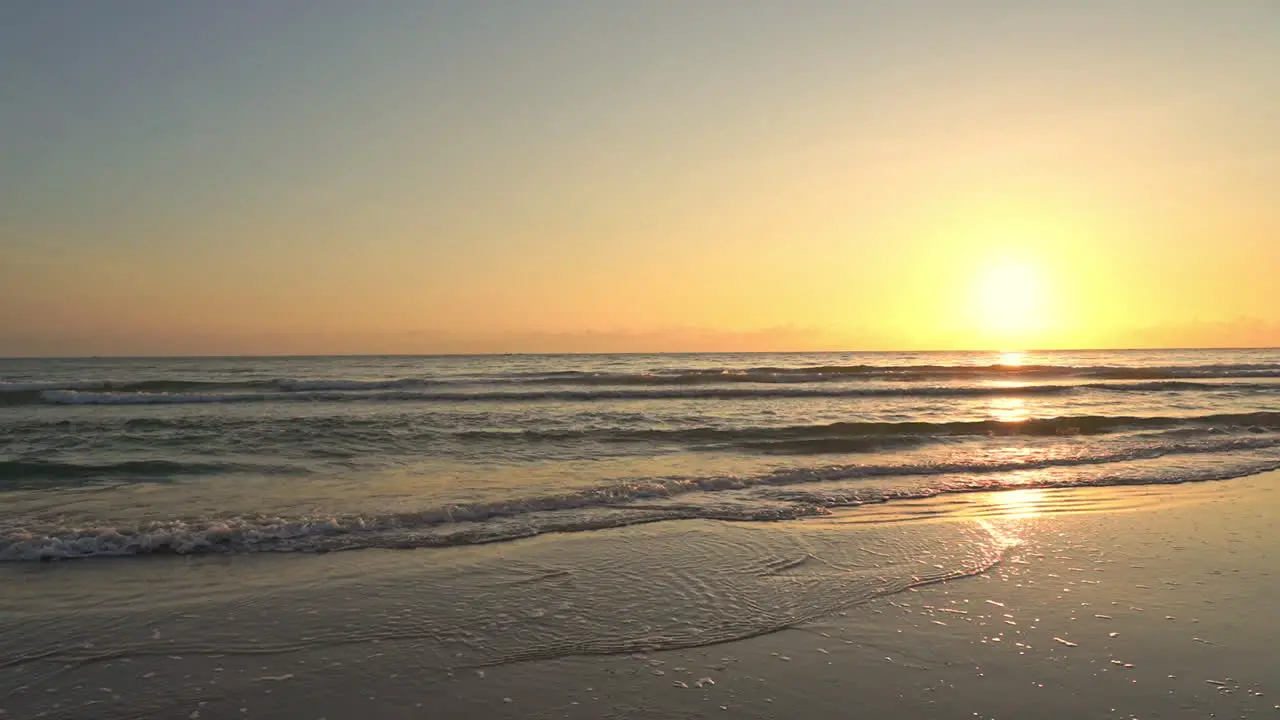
(1004, 514)
(1016, 504)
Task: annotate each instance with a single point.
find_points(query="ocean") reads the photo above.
(105, 457)
(497, 509)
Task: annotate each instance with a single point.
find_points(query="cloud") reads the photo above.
(1238, 332)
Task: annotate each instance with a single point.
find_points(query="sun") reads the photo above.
(1009, 300)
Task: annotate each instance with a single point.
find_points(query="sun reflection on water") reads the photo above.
(1009, 409)
(1012, 358)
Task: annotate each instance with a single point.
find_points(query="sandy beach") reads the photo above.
(1113, 603)
(1133, 602)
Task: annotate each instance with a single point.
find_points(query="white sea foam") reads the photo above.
(782, 495)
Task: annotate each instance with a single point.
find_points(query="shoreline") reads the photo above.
(1179, 572)
(824, 492)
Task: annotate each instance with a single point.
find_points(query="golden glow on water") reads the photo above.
(1009, 409)
(1012, 358)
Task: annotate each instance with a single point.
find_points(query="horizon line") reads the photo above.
(286, 356)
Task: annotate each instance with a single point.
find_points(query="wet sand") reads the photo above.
(1137, 602)
(1113, 603)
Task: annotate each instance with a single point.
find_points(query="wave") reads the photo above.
(673, 376)
(211, 385)
(33, 474)
(208, 386)
(1059, 426)
(347, 438)
(835, 373)
(375, 391)
(632, 502)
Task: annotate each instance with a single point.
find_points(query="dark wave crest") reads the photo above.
(12, 391)
(32, 474)
(871, 431)
(835, 373)
(378, 393)
(18, 393)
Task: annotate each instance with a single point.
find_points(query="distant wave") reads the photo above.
(178, 386)
(666, 377)
(332, 391)
(835, 373)
(636, 501)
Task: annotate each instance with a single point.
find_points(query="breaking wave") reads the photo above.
(779, 495)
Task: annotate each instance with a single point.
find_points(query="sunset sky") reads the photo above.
(326, 176)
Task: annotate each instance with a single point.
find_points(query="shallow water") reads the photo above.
(392, 631)
(166, 634)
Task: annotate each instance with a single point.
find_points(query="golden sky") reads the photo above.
(322, 177)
